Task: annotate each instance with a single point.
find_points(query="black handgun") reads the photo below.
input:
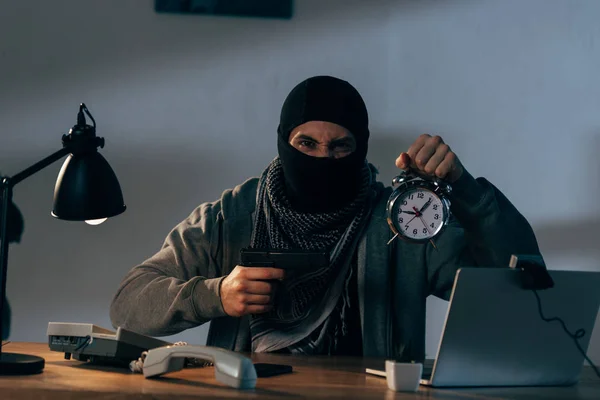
(291, 260)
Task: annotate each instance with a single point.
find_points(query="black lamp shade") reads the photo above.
(87, 189)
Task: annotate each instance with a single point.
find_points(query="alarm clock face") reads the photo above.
(419, 214)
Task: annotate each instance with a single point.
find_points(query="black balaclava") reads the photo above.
(315, 184)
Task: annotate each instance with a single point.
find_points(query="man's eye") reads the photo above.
(343, 147)
(307, 143)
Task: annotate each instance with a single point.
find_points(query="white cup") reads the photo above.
(403, 377)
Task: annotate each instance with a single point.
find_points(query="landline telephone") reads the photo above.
(91, 343)
(232, 369)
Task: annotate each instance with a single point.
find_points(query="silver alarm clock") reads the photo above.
(419, 207)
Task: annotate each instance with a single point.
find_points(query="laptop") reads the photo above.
(494, 335)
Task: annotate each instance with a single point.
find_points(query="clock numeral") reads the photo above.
(432, 225)
(400, 220)
(421, 195)
(405, 202)
(411, 197)
(436, 216)
(424, 230)
(406, 227)
(415, 231)
(435, 207)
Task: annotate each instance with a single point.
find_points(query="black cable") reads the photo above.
(575, 336)
(83, 345)
(85, 109)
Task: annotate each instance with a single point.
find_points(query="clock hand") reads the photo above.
(416, 214)
(396, 235)
(411, 220)
(424, 224)
(407, 212)
(426, 205)
(426, 227)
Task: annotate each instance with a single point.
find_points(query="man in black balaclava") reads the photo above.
(320, 194)
(322, 172)
(317, 195)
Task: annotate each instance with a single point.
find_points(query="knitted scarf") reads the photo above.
(303, 319)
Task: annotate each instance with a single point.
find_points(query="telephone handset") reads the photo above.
(232, 369)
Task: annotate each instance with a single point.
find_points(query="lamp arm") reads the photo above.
(6, 199)
(6, 186)
(35, 168)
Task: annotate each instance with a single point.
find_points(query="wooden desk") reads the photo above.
(314, 377)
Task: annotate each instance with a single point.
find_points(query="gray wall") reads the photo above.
(189, 107)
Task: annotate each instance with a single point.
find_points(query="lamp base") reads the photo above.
(20, 364)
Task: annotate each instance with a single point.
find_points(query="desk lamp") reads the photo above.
(86, 189)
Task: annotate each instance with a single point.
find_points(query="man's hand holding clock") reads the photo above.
(421, 192)
(429, 155)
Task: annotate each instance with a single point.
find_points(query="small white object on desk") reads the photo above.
(403, 377)
(400, 377)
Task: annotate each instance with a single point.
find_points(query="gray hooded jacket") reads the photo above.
(178, 287)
